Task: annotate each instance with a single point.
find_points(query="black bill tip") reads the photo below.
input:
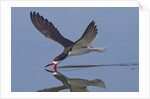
(46, 65)
(47, 70)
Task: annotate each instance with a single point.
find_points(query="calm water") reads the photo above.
(110, 78)
(117, 68)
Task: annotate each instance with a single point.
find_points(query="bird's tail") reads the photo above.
(97, 83)
(98, 49)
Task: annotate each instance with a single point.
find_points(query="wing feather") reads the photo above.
(88, 36)
(49, 30)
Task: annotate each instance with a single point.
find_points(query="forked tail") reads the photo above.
(97, 83)
(98, 49)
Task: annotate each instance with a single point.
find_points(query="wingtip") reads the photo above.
(38, 14)
(93, 21)
(30, 12)
(33, 13)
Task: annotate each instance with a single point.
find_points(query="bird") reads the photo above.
(74, 84)
(81, 46)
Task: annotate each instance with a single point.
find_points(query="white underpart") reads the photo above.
(86, 50)
(81, 51)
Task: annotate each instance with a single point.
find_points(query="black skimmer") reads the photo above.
(74, 84)
(81, 46)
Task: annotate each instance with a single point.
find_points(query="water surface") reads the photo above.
(117, 67)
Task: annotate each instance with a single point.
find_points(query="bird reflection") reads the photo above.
(74, 84)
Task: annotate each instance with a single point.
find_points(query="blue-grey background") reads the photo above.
(118, 29)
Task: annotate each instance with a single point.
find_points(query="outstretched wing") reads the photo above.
(88, 36)
(49, 30)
